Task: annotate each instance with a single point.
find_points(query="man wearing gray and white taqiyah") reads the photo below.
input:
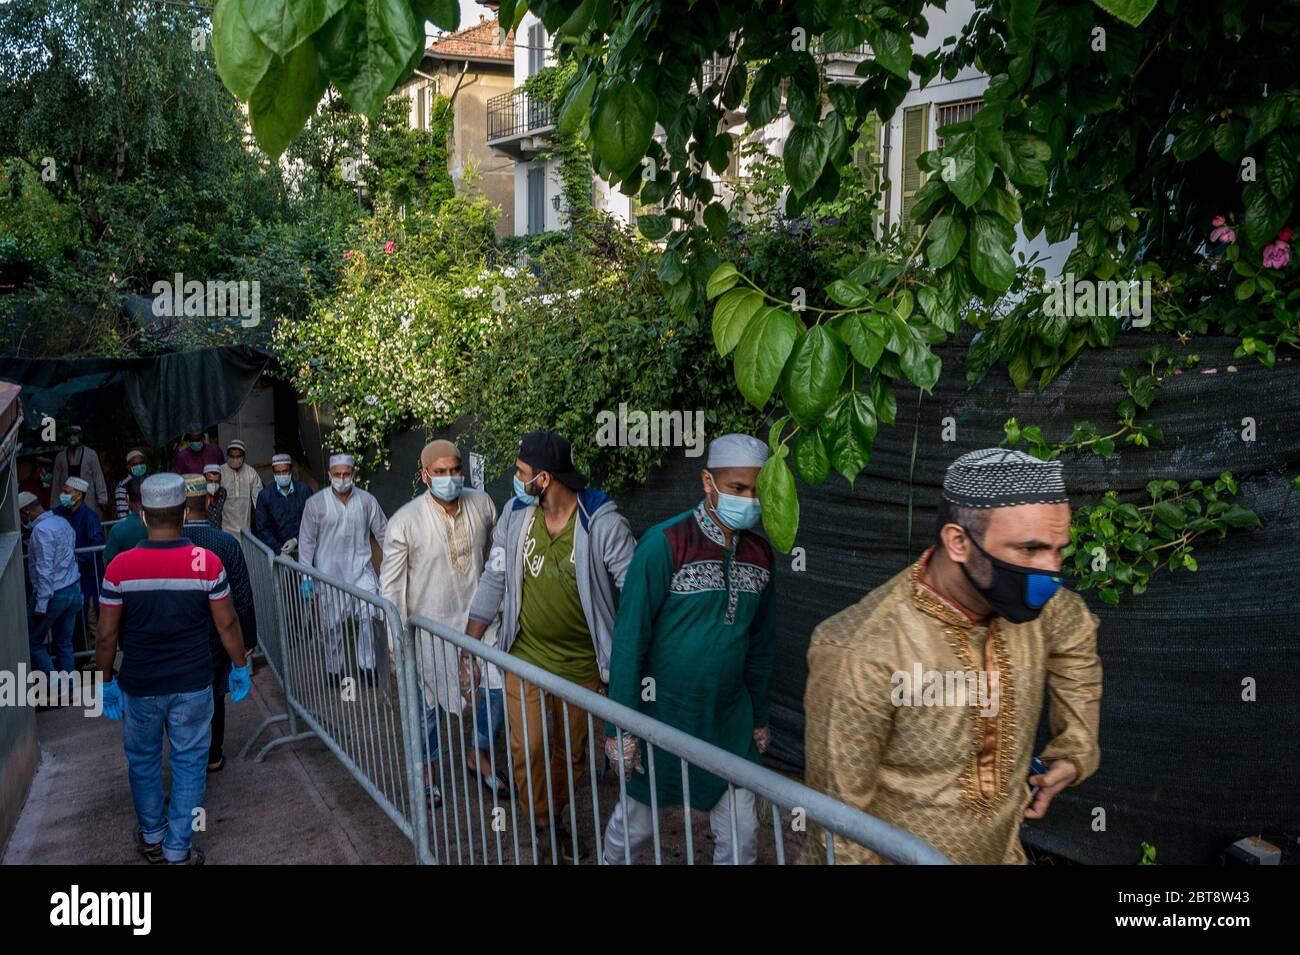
(337, 524)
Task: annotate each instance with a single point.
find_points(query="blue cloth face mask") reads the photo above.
(283, 480)
(139, 470)
(1016, 593)
(65, 500)
(738, 513)
(196, 445)
(521, 490)
(447, 487)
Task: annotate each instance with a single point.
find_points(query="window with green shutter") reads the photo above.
(916, 135)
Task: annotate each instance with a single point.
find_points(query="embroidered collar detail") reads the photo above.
(709, 527)
(930, 602)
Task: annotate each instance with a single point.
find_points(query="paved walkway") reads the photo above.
(297, 806)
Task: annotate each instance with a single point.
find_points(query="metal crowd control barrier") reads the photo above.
(337, 643)
(537, 794)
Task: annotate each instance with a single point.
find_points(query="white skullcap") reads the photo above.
(236, 443)
(26, 499)
(75, 427)
(737, 451)
(281, 459)
(342, 458)
(135, 453)
(78, 484)
(162, 490)
(212, 469)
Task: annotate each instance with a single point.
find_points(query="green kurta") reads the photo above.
(698, 620)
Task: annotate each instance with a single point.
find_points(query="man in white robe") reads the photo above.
(334, 538)
(434, 553)
(242, 484)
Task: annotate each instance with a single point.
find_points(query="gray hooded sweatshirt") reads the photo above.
(602, 549)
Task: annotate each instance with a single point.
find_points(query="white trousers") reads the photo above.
(370, 630)
(638, 830)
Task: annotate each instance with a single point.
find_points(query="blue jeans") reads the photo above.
(186, 718)
(59, 621)
(489, 714)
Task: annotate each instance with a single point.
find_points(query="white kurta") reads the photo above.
(242, 488)
(334, 538)
(429, 572)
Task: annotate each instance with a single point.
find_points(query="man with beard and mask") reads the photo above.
(334, 537)
(242, 485)
(434, 553)
(697, 618)
(559, 554)
(195, 453)
(984, 603)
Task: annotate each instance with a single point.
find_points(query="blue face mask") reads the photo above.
(283, 480)
(447, 487)
(521, 490)
(139, 470)
(196, 445)
(738, 513)
(47, 480)
(65, 500)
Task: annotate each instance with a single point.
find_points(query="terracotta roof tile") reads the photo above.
(478, 41)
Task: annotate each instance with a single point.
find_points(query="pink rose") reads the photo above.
(1286, 234)
(1223, 234)
(388, 246)
(1276, 255)
(1217, 220)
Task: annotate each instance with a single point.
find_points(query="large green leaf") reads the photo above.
(780, 502)
(921, 364)
(864, 334)
(444, 14)
(724, 277)
(813, 375)
(764, 96)
(242, 59)
(967, 170)
(366, 48)
(810, 457)
(893, 50)
(284, 24)
(1268, 115)
(1264, 215)
(1132, 12)
(947, 233)
(1023, 158)
(1280, 166)
(806, 152)
(731, 317)
(285, 98)
(762, 352)
(623, 124)
(849, 432)
(577, 106)
(990, 256)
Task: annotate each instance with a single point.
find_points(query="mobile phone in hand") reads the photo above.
(1036, 768)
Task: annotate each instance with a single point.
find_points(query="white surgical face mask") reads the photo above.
(341, 485)
(447, 487)
(213, 488)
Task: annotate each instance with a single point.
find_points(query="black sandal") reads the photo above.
(218, 766)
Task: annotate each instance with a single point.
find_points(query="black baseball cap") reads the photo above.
(551, 452)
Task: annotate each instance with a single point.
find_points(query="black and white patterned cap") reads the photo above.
(1000, 477)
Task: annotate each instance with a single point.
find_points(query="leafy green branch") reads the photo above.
(1117, 546)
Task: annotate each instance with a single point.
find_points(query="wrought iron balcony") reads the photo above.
(514, 117)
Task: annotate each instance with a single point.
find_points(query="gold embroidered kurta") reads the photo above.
(945, 773)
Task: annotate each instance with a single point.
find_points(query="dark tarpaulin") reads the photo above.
(169, 394)
(1187, 764)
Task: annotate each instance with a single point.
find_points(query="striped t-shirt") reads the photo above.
(164, 589)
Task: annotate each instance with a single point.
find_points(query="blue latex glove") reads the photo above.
(239, 683)
(112, 700)
(306, 587)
